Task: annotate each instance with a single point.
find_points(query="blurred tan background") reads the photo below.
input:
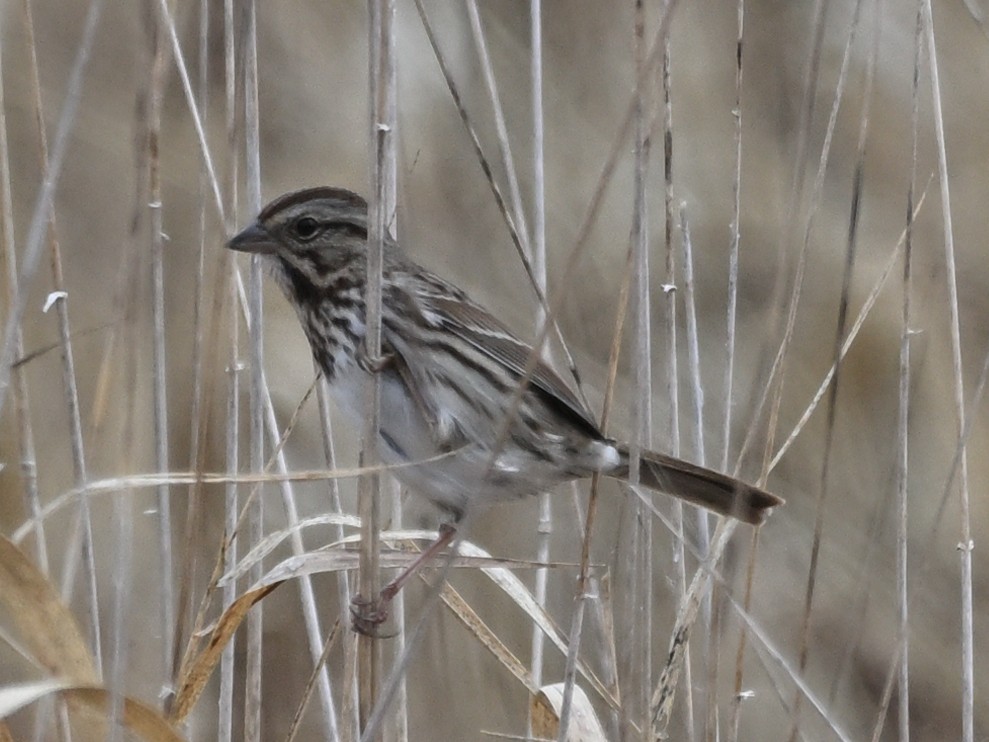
(312, 60)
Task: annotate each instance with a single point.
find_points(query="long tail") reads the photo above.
(705, 487)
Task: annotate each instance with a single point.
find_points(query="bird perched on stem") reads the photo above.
(460, 393)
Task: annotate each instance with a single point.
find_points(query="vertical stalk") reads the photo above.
(159, 362)
(903, 421)
(225, 723)
(49, 162)
(538, 246)
(672, 370)
(381, 206)
(641, 402)
(255, 622)
(965, 541)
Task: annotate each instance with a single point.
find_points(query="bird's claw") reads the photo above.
(368, 615)
(372, 364)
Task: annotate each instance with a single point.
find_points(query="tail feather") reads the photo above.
(699, 486)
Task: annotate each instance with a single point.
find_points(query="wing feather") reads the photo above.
(442, 305)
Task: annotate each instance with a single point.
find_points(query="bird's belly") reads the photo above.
(455, 478)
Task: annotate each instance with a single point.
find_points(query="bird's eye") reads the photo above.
(306, 228)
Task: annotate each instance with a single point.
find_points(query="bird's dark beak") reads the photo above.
(255, 239)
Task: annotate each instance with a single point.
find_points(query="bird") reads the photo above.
(469, 414)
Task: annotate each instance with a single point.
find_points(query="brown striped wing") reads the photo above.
(475, 325)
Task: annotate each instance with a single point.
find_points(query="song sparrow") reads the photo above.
(449, 375)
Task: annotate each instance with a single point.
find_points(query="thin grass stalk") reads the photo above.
(27, 454)
(311, 683)
(44, 201)
(307, 593)
(693, 353)
(58, 282)
(771, 656)
(584, 580)
(672, 362)
(788, 234)
(201, 390)
(374, 728)
(903, 421)
(400, 720)
(634, 662)
(903, 433)
(310, 612)
(584, 574)
(729, 393)
(739, 693)
(921, 572)
(159, 355)
(258, 479)
(190, 100)
(832, 402)
(850, 338)
(773, 390)
(902, 657)
(708, 641)
(733, 246)
(123, 517)
(166, 23)
(255, 529)
(50, 164)
(123, 506)
(705, 575)
(774, 386)
(794, 201)
(228, 659)
(230, 509)
(576, 634)
(382, 79)
(788, 230)
(965, 530)
(349, 724)
(26, 451)
(640, 638)
(545, 523)
(504, 146)
(308, 600)
(661, 704)
(388, 187)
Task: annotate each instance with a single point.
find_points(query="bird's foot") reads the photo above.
(372, 364)
(367, 616)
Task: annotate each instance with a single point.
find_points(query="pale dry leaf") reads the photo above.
(194, 677)
(41, 621)
(270, 542)
(480, 631)
(139, 718)
(546, 706)
(95, 702)
(17, 696)
(524, 599)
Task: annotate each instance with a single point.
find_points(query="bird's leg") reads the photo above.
(367, 614)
